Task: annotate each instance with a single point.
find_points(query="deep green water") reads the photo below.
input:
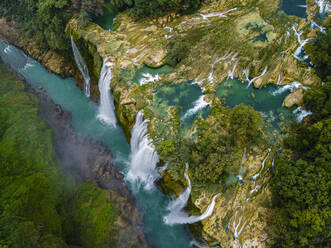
(294, 7)
(263, 100)
(106, 19)
(64, 92)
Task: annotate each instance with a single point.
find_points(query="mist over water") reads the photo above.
(152, 203)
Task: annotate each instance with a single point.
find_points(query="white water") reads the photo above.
(143, 158)
(324, 6)
(198, 105)
(263, 164)
(314, 25)
(250, 81)
(256, 189)
(106, 108)
(215, 14)
(301, 42)
(290, 87)
(147, 78)
(82, 67)
(177, 215)
(236, 226)
(301, 113)
(231, 72)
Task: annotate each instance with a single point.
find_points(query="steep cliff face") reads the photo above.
(245, 39)
(248, 40)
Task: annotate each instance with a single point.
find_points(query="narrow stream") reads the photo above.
(84, 120)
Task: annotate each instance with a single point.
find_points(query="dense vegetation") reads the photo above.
(301, 185)
(45, 21)
(39, 205)
(154, 8)
(217, 151)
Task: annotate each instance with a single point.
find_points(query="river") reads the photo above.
(152, 203)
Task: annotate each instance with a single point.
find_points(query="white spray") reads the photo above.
(176, 207)
(290, 87)
(106, 108)
(215, 14)
(197, 106)
(143, 158)
(301, 113)
(250, 81)
(301, 42)
(82, 67)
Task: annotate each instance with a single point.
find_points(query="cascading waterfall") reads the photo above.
(215, 14)
(250, 81)
(82, 67)
(290, 87)
(197, 106)
(148, 78)
(143, 158)
(324, 7)
(301, 113)
(299, 51)
(106, 108)
(177, 215)
(262, 167)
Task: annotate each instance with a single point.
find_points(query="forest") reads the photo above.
(301, 183)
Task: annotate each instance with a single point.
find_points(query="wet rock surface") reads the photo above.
(91, 162)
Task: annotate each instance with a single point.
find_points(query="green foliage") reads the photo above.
(31, 179)
(319, 53)
(44, 21)
(38, 208)
(178, 50)
(301, 184)
(154, 8)
(94, 215)
(222, 139)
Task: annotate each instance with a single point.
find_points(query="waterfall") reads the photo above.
(314, 25)
(148, 78)
(215, 14)
(197, 106)
(301, 113)
(82, 67)
(290, 87)
(143, 158)
(106, 108)
(176, 207)
(263, 164)
(299, 51)
(324, 7)
(250, 81)
(237, 225)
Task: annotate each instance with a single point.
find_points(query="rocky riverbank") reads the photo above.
(90, 164)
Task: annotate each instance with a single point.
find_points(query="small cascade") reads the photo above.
(82, 67)
(143, 158)
(314, 25)
(177, 215)
(290, 87)
(301, 113)
(215, 14)
(300, 51)
(106, 108)
(197, 106)
(236, 226)
(250, 81)
(324, 7)
(263, 164)
(148, 78)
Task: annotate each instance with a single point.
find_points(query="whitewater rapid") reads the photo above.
(177, 215)
(144, 157)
